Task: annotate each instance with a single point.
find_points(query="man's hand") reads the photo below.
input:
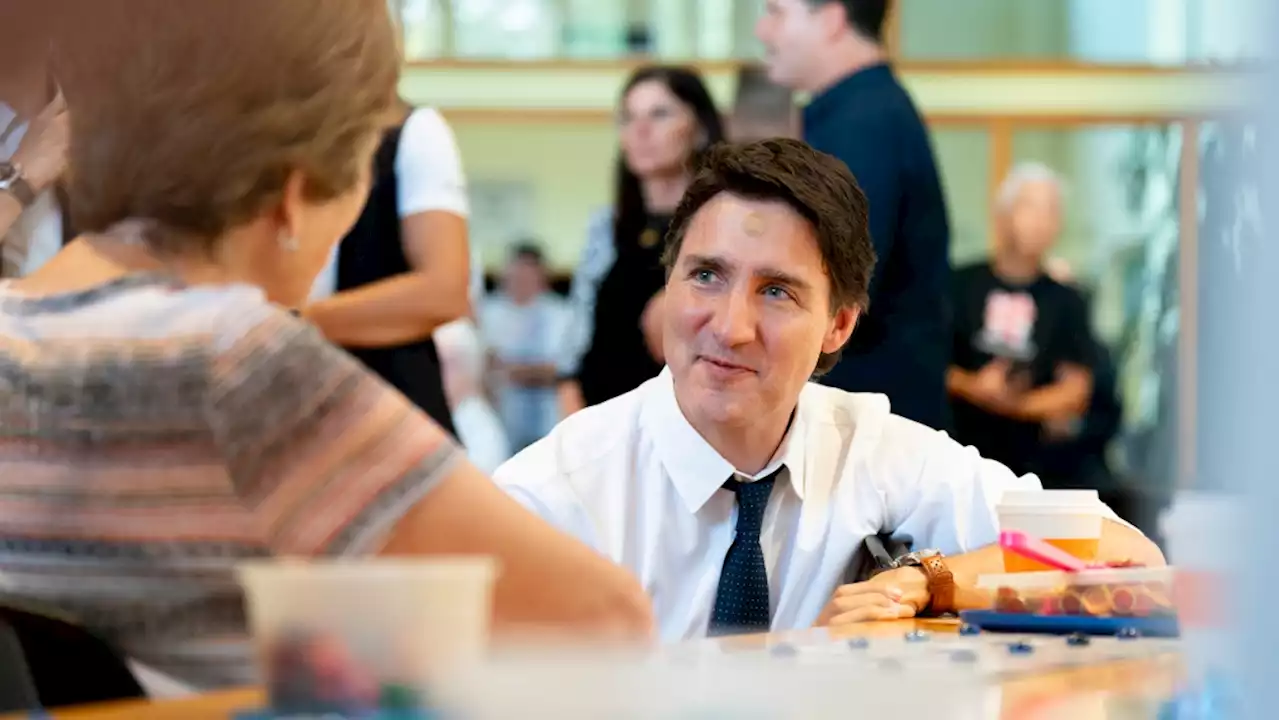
(994, 389)
(651, 326)
(42, 154)
(891, 595)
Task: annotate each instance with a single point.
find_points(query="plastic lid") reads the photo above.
(1056, 579)
(1081, 509)
(1050, 498)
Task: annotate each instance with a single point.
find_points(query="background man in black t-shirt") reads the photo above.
(1022, 352)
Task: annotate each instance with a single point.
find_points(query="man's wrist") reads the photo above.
(15, 182)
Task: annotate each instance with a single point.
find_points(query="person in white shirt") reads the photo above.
(526, 327)
(735, 489)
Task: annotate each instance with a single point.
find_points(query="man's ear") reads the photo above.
(832, 19)
(841, 327)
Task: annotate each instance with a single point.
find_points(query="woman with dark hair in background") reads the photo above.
(666, 120)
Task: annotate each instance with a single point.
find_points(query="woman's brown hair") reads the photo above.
(194, 114)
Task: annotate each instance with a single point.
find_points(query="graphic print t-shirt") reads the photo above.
(1037, 327)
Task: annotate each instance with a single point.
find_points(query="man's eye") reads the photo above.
(778, 292)
(703, 276)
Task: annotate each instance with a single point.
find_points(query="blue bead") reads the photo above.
(967, 629)
(917, 636)
(1078, 640)
(964, 656)
(858, 643)
(1021, 648)
(1128, 633)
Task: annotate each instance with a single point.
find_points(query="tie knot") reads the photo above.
(752, 499)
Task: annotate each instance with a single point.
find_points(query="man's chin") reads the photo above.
(714, 407)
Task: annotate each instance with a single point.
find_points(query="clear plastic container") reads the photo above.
(1112, 592)
(346, 637)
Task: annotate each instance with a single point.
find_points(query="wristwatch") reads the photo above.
(942, 585)
(13, 182)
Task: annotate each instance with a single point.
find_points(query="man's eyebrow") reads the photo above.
(710, 262)
(783, 278)
(774, 275)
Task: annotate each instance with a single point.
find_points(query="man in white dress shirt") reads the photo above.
(734, 488)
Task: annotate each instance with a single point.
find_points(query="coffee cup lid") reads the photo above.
(1050, 498)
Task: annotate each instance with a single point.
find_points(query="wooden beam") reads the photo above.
(893, 32)
(594, 116)
(999, 162)
(1028, 67)
(1188, 300)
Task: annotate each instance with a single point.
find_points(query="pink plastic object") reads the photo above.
(1040, 551)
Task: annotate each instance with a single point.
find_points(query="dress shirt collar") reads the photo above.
(694, 466)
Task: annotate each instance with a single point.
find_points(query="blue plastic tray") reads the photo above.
(375, 715)
(992, 621)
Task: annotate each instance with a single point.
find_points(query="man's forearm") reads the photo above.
(1065, 398)
(401, 309)
(958, 382)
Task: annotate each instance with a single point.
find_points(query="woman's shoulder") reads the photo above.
(140, 308)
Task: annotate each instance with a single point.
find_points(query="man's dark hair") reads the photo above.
(866, 17)
(528, 251)
(816, 185)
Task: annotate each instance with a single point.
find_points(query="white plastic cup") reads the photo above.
(348, 636)
(1208, 572)
(1070, 520)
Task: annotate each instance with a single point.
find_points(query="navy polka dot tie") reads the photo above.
(742, 599)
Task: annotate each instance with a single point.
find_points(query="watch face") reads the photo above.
(917, 557)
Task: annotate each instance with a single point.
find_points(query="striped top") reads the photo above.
(152, 436)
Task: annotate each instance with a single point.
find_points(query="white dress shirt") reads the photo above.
(633, 479)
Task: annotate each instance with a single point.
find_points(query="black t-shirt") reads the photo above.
(1038, 327)
(618, 361)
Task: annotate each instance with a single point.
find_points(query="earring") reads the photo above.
(288, 241)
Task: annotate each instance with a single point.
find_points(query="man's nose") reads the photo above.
(734, 322)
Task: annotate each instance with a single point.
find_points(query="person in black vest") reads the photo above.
(404, 268)
(666, 121)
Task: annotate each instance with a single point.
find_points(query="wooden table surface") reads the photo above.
(1130, 689)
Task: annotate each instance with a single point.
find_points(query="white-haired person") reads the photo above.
(1022, 349)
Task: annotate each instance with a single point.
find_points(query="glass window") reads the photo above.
(1106, 31)
(422, 25)
(595, 29)
(516, 29)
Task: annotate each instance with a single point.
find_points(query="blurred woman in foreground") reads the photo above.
(161, 416)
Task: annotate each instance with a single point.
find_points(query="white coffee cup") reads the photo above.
(344, 635)
(1070, 520)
